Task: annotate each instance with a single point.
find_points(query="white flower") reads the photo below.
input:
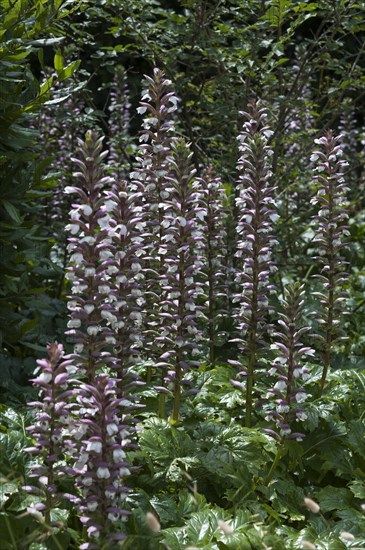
(103, 472)
(112, 428)
(95, 446)
(32, 510)
(45, 377)
(118, 455)
(86, 209)
(104, 289)
(280, 385)
(300, 397)
(104, 254)
(79, 348)
(88, 240)
(285, 430)
(89, 271)
(111, 269)
(89, 308)
(87, 481)
(78, 258)
(72, 228)
(68, 190)
(93, 330)
(92, 506)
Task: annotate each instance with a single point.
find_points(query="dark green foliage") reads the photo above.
(30, 312)
(209, 481)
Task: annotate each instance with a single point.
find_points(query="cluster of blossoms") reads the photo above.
(103, 438)
(150, 180)
(123, 220)
(288, 391)
(52, 417)
(105, 321)
(181, 250)
(254, 242)
(330, 233)
(214, 268)
(90, 273)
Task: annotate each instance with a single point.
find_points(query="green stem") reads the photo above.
(161, 405)
(279, 455)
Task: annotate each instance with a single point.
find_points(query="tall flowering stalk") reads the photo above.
(59, 129)
(214, 253)
(101, 467)
(51, 418)
(330, 234)
(255, 218)
(90, 272)
(125, 301)
(119, 123)
(180, 247)
(288, 390)
(150, 179)
(105, 321)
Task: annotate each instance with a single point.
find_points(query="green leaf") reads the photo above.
(69, 70)
(334, 498)
(12, 211)
(58, 61)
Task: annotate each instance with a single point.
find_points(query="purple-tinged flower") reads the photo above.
(330, 234)
(254, 241)
(150, 181)
(52, 418)
(180, 246)
(123, 263)
(288, 390)
(101, 467)
(89, 244)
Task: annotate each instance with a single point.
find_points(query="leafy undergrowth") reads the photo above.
(210, 483)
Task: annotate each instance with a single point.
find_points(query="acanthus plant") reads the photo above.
(331, 231)
(350, 141)
(102, 437)
(105, 322)
(256, 214)
(58, 139)
(123, 219)
(181, 249)
(289, 391)
(214, 269)
(119, 124)
(90, 273)
(49, 431)
(150, 179)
